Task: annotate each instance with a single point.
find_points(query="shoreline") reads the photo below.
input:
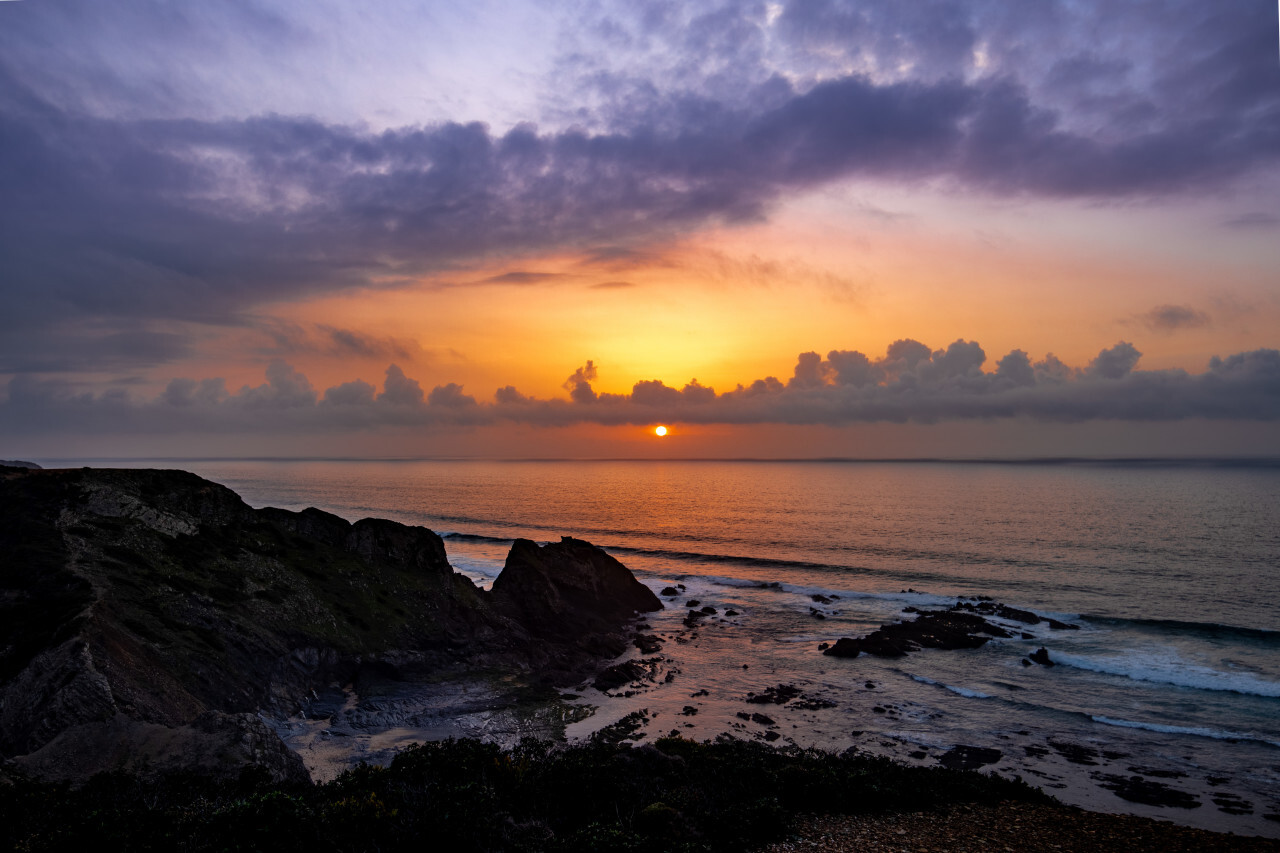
(1093, 776)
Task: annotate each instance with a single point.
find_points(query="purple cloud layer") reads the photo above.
(910, 382)
(112, 223)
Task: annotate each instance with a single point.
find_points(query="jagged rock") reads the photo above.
(983, 605)
(1041, 656)
(779, 695)
(944, 630)
(569, 590)
(1136, 789)
(647, 643)
(969, 757)
(620, 674)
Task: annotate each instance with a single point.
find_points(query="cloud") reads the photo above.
(524, 277)
(288, 340)
(1114, 363)
(355, 393)
(124, 219)
(909, 383)
(612, 285)
(579, 384)
(1254, 220)
(449, 397)
(285, 388)
(88, 346)
(400, 390)
(144, 194)
(1172, 318)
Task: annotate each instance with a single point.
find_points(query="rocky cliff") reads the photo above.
(146, 616)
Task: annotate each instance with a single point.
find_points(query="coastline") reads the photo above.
(729, 660)
(702, 698)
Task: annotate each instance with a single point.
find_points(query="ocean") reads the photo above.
(1165, 702)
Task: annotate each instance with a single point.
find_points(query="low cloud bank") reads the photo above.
(909, 383)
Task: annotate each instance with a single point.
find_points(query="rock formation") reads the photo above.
(147, 616)
(571, 592)
(928, 630)
(960, 627)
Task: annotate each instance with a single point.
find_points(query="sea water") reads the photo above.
(1171, 571)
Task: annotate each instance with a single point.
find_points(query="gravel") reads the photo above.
(1007, 827)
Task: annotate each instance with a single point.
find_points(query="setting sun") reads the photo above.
(660, 431)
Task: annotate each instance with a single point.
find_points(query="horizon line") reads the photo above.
(1207, 461)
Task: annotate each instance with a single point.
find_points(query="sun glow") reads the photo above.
(660, 431)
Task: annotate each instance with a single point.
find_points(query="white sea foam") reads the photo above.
(1180, 730)
(966, 692)
(1167, 667)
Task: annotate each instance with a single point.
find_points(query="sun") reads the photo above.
(660, 431)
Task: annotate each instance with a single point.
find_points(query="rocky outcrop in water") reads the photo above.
(147, 616)
(946, 630)
(960, 627)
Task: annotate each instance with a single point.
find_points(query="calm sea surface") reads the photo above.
(1172, 572)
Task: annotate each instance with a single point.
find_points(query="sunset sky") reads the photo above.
(794, 229)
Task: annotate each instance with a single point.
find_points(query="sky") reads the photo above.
(816, 228)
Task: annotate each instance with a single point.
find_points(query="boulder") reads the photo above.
(1041, 656)
(568, 590)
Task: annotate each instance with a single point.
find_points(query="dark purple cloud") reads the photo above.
(114, 224)
(198, 221)
(909, 383)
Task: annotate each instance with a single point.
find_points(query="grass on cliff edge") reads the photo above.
(467, 795)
